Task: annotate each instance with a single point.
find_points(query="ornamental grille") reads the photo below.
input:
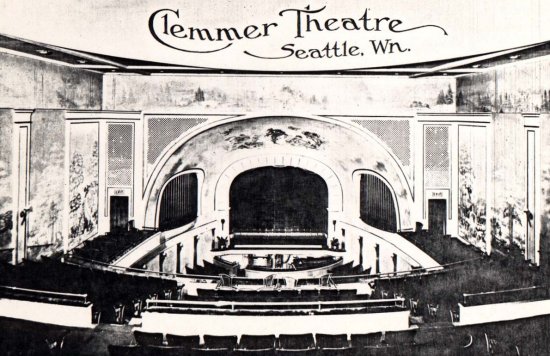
(120, 154)
(163, 130)
(436, 157)
(394, 133)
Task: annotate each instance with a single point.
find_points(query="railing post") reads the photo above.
(361, 251)
(179, 248)
(195, 243)
(377, 249)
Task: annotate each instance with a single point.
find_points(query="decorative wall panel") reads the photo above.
(83, 179)
(395, 134)
(179, 202)
(120, 155)
(472, 196)
(47, 157)
(376, 203)
(436, 157)
(161, 131)
(6, 200)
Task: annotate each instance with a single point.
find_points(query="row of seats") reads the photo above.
(26, 338)
(507, 296)
(40, 296)
(114, 295)
(109, 247)
(277, 295)
(208, 269)
(348, 269)
(283, 342)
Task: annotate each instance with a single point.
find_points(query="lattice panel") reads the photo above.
(436, 157)
(376, 204)
(120, 154)
(394, 133)
(163, 130)
(179, 202)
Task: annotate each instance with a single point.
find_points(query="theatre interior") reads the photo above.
(156, 209)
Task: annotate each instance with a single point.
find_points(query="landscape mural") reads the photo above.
(514, 88)
(308, 94)
(472, 195)
(46, 179)
(6, 213)
(83, 180)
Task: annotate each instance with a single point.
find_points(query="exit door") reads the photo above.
(437, 216)
(119, 213)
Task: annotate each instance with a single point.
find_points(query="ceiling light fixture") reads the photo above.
(515, 56)
(43, 51)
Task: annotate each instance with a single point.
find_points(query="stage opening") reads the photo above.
(278, 199)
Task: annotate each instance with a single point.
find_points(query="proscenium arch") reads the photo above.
(223, 185)
(151, 185)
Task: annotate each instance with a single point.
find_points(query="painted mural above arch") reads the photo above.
(335, 144)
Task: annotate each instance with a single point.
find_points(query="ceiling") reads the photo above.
(107, 64)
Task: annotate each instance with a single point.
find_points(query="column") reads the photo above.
(20, 169)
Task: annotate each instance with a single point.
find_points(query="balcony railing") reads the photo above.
(42, 296)
(506, 296)
(277, 308)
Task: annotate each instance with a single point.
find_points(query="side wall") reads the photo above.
(6, 176)
(511, 93)
(31, 84)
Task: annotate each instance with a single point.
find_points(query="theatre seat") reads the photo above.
(257, 343)
(347, 294)
(125, 350)
(212, 342)
(185, 342)
(359, 341)
(396, 338)
(451, 337)
(309, 294)
(147, 339)
(165, 351)
(296, 342)
(336, 345)
(328, 341)
(329, 294)
(307, 352)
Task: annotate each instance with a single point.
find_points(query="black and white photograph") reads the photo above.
(294, 177)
